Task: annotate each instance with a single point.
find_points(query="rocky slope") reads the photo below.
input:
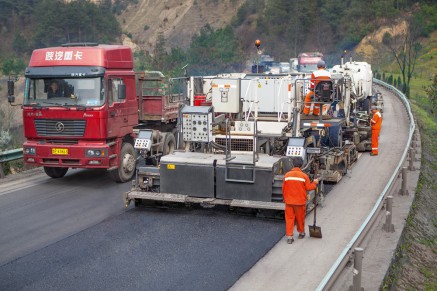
(178, 20)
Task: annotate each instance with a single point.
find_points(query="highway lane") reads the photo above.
(74, 233)
(148, 249)
(36, 211)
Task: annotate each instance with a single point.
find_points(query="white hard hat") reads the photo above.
(373, 107)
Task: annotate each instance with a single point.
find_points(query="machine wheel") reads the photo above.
(334, 138)
(366, 105)
(127, 161)
(169, 144)
(55, 172)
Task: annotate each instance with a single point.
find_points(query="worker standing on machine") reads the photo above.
(316, 76)
(376, 123)
(294, 189)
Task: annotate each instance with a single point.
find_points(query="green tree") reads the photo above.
(215, 51)
(405, 49)
(142, 61)
(58, 21)
(20, 44)
(13, 66)
(160, 53)
(431, 91)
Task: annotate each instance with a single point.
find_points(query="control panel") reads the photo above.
(197, 123)
(226, 95)
(295, 147)
(144, 140)
(244, 127)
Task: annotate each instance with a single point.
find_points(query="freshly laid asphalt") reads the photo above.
(148, 249)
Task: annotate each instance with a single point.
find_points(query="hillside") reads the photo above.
(178, 20)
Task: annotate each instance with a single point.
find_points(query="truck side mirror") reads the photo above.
(121, 92)
(11, 97)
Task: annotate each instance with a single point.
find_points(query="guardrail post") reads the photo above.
(416, 141)
(403, 190)
(413, 143)
(388, 226)
(2, 173)
(358, 267)
(411, 160)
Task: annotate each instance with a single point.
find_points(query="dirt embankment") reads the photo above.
(416, 267)
(177, 20)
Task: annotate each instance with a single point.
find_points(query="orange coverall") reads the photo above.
(320, 74)
(376, 122)
(294, 189)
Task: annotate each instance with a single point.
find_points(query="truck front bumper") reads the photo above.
(81, 155)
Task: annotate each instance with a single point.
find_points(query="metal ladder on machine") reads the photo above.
(240, 171)
(277, 188)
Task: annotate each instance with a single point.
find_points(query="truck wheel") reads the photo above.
(169, 144)
(55, 172)
(127, 162)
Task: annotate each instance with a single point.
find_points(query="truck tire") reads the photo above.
(127, 162)
(55, 172)
(169, 144)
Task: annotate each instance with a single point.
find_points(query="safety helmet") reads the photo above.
(373, 107)
(321, 64)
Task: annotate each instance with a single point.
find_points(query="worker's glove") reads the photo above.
(308, 197)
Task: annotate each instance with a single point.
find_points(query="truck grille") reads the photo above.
(51, 127)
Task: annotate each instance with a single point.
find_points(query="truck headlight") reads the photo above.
(90, 153)
(29, 150)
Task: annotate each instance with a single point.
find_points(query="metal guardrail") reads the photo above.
(342, 260)
(7, 156)
(11, 155)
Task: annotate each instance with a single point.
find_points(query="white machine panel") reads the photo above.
(293, 151)
(243, 127)
(272, 93)
(226, 95)
(197, 123)
(295, 147)
(144, 140)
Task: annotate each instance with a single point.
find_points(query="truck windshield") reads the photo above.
(307, 68)
(46, 92)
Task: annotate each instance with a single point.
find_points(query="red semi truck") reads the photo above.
(307, 62)
(89, 121)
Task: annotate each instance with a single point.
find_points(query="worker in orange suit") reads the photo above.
(294, 189)
(316, 76)
(376, 123)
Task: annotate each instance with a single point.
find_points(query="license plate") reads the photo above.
(59, 151)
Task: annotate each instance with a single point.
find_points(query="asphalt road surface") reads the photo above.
(74, 234)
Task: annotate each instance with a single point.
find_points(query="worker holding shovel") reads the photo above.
(294, 189)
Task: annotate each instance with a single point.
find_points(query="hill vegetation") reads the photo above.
(27, 24)
(214, 46)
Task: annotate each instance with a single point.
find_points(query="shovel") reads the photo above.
(315, 231)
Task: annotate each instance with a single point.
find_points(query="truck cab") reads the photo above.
(88, 122)
(307, 62)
